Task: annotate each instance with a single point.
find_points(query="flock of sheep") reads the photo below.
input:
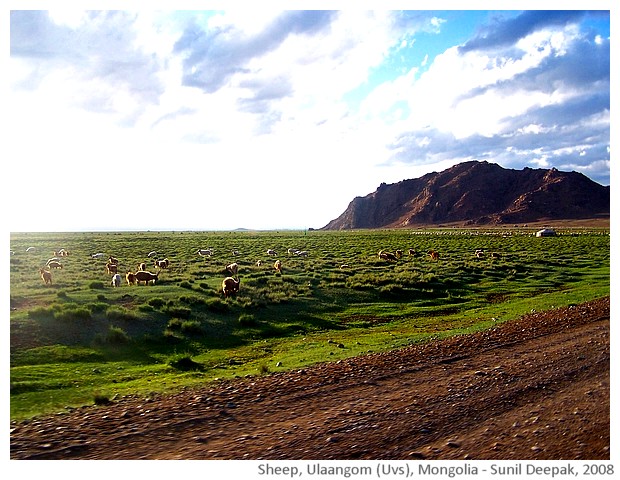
(230, 284)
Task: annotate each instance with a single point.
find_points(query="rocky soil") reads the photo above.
(536, 388)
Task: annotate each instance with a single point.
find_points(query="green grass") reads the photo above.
(81, 341)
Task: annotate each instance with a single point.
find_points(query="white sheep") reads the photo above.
(116, 280)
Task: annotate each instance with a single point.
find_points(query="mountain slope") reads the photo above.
(477, 193)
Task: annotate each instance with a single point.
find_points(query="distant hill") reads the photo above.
(477, 193)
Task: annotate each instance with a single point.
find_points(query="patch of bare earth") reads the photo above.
(535, 388)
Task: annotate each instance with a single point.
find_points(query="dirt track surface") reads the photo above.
(535, 388)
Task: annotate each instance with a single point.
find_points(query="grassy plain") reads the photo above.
(82, 341)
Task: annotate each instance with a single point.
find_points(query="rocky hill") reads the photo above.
(478, 193)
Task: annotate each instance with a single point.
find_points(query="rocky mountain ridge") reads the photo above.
(477, 193)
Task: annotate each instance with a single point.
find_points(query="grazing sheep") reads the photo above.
(116, 280)
(387, 256)
(258, 263)
(495, 255)
(152, 254)
(53, 259)
(205, 252)
(46, 276)
(398, 253)
(30, 249)
(54, 265)
(97, 255)
(165, 263)
(111, 268)
(479, 253)
(146, 277)
(233, 268)
(344, 266)
(278, 266)
(412, 252)
(433, 254)
(271, 252)
(301, 253)
(142, 267)
(131, 278)
(230, 286)
(292, 251)
(113, 260)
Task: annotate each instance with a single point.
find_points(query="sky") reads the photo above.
(264, 118)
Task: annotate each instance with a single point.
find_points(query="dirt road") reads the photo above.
(536, 388)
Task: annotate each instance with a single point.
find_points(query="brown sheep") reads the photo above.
(387, 256)
(165, 263)
(131, 278)
(111, 268)
(233, 268)
(142, 267)
(46, 276)
(433, 254)
(146, 277)
(230, 286)
(54, 265)
(113, 260)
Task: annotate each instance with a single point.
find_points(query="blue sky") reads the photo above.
(268, 118)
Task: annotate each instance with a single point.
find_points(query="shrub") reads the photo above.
(191, 327)
(116, 336)
(97, 307)
(175, 324)
(185, 363)
(120, 313)
(73, 313)
(156, 302)
(247, 320)
(185, 284)
(181, 312)
(216, 305)
(41, 312)
(96, 285)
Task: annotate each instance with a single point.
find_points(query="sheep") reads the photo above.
(344, 266)
(111, 268)
(113, 260)
(278, 266)
(116, 280)
(412, 252)
(230, 286)
(46, 276)
(495, 255)
(152, 254)
(146, 277)
(233, 268)
(292, 251)
(259, 263)
(54, 265)
(30, 249)
(398, 253)
(479, 253)
(131, 278)
(387, 256)
(142, 267)
(302, 253)
(205, 252)
(271, 252)
(97, 255)
(433, 254)
(165, 263)
(53, 259)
